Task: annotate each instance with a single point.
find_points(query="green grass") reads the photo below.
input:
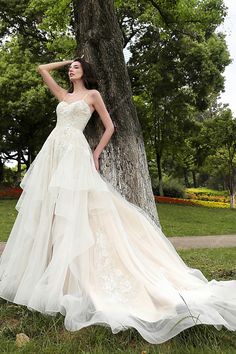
(182, 220)
(48, 335)
(176, 220)
(217, 263)
(7, 216)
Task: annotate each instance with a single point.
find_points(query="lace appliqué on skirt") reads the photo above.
(114, 280)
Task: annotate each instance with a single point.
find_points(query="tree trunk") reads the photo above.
(123, 161)
(194, 179)
(232, 201)
(231, 184)
(19, 170)
(158, 160)
(1, 170)
(232, 191)
(186, 181)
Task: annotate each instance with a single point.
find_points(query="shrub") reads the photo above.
(193, 202)
(170, 200)
(171, 188)
(10, 192)
(208, 195)
(198, 192)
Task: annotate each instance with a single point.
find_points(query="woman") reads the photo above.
(79, 248)
(79, 88)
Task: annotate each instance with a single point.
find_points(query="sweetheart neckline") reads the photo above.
(69, 103)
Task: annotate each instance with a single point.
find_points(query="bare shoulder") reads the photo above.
(100, 107)
(95, 94)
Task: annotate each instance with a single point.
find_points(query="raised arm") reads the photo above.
(44, 70)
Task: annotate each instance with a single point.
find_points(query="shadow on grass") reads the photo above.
(48, 335)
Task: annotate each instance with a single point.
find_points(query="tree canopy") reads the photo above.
(178, 57)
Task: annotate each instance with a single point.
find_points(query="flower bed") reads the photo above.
(211, 204)
(10, 192)
(193, 202)
(200, 192)
(173, 200)
(211, 198)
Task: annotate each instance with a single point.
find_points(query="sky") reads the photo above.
(229, 28)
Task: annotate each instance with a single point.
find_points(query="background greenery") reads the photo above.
(178, 57)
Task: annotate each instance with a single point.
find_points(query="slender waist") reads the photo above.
(68, 127)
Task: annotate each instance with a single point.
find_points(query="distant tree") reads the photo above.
(177, 77)
(220, 134)
(27, 110)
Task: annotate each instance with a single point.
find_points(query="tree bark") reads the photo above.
(231, 183)
(1, 170)
(194, 179)
(158, 161)
(19, 169)
(123, 161)
(186, 181)
(232, 201)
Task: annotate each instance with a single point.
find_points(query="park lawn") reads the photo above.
(7, 216)
(48, 335)
(184, 220)
(217, 263)
(176, 220)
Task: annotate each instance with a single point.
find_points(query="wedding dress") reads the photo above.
(78, 247)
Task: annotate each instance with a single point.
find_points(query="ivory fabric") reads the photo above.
(78, 247)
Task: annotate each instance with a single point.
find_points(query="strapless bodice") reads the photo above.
(75, 114)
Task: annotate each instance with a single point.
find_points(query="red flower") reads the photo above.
(10, 192)
(160, 199)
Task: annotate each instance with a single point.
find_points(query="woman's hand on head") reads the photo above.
(44, 70)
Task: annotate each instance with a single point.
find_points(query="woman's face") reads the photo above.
(75, 71)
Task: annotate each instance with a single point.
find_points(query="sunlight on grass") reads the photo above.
(179, 220)
(7, 216)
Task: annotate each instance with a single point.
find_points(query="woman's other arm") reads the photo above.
(100, 107)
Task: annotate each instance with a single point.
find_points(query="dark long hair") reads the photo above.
(90, 82)
(89, 77)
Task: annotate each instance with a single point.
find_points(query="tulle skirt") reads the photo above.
(78, 247)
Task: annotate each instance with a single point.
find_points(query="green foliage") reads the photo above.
(45, 28)
(197, 19)
(171, 188)
(176, 72)
(26, 110)
(56, 16)
(41, 34)
(10, 176)
(220, 136)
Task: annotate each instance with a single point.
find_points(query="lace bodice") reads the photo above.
(74, 114)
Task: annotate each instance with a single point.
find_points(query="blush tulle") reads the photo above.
(78, 247)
